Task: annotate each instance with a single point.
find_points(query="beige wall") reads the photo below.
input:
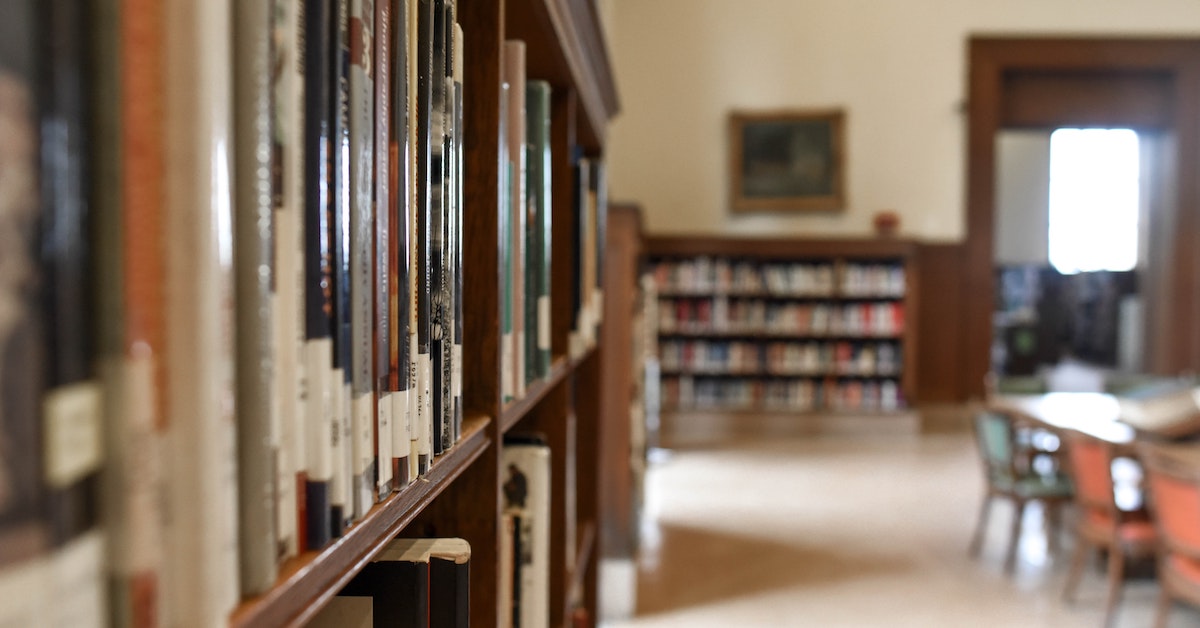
(898, 68)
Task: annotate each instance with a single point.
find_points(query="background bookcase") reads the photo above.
(789, 325)
(461, 496)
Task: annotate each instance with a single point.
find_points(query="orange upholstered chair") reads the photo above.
(1101, 524)
(1173, 474)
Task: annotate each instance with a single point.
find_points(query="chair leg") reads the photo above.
(1163, 609)
(1014, 539)
(981, 527)
(1116, 573)
(1053, 514)
(1076, 572)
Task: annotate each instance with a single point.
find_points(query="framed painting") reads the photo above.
(787, 161)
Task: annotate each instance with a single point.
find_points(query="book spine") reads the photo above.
(438, 229)
(526, 490)
(449, 589)
(202, 542)
(382, 365)
(539, 227)
(415, 397)
(287, 180)
(599, 182)
(578, 256)
(459, 157)
(361, 252)
(514, 70)
(24, 528)
(254, 283)
(400, 177)
(318, 261)
(505, 252)
(423, 235)
(353, 488)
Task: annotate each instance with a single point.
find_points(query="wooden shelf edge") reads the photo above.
(802, 414)
(516, 410)
(677, 372)
(309, 581)
(796, 249)
(693, 333)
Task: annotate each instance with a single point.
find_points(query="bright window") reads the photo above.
(1093, 199)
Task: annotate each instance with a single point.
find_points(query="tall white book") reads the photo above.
(525, 478)
(202, 557)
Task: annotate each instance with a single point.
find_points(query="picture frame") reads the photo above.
(787, 160)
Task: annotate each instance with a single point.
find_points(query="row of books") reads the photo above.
(706, 274)
(525, 228)
(862, 359)
(230, 291)
(724, 315)
(800, 395)
(412, 583)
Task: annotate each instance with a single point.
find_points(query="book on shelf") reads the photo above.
(201, 545)
(417, 583)
(350, 492)
(438, 230)
(254, 298)
(378, 64)
(287, 192)
(425, 258)
(400, 238)
(514, 159)
(318, 260)
(525, 478)
(538, 230)
(365, 417)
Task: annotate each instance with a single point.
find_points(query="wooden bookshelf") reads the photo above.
(460, 496)
(818, 325)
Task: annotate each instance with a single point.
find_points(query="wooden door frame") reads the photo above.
(991, 59)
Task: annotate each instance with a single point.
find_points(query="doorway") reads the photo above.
(1152, 85)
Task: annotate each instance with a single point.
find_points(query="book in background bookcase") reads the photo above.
(345, 611)
(525, 477)
(513, 157)
(417, 583)
(538, 230)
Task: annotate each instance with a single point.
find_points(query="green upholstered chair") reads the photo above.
(1008, 474)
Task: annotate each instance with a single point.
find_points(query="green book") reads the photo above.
(537, 317)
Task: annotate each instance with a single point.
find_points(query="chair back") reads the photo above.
(1090, 462)
(994, 437)
(1175, 493)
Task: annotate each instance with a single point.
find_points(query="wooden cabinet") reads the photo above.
(785, 325)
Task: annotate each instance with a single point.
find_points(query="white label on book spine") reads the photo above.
(519, 376)
(361, 454)
(78, 590)
(320, 408)
(456, 371)
(507, 368)
(338, 494)
(74, 441)
(543, 314)
(25, 593)
(425, 425)
(400, 425)
(383, 440)
(141, 468)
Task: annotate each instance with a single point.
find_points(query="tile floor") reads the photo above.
(849, 530)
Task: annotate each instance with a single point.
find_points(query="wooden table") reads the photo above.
(1094, 414)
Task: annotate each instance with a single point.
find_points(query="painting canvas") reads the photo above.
(787, 161)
